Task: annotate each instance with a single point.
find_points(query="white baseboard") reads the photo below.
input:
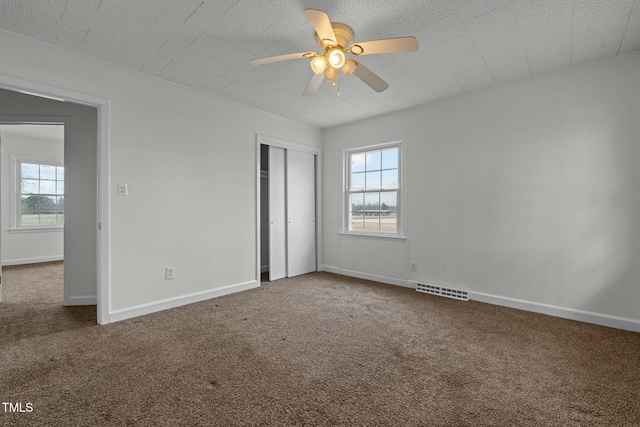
(369, 276)
(565, 313)
(551, 310)
(90, 300)
(35, 260)
(141, 310)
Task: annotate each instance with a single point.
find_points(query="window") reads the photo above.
(38, 199)
(373, 190)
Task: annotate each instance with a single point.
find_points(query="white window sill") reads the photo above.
(371, 235)
(35, 230)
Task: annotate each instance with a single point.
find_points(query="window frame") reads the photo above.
(16, 161)
(398, 143)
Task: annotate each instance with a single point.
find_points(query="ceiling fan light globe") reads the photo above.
(319, 64)
(331, 74)
(336, 58)
(349, 67)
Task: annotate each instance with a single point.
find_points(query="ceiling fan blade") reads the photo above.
(322, 25)
(369, 77)
(395, 45)
(270, 59)
(313, 84)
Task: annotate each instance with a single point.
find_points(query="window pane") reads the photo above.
(373, 160)
(372, 222)
(29, 170)
(48, 218)
(29, 186)
(47, 187)
(388, 212)
(372, 212)
(371, 202)
(59, 187)
(390, 158)
(47, 209)
(47, 172)
(373, 180)
(29, 220)
(47, 204)
(60, 173)
(389, 201)
(390, 178)
(357, 203)
(357, 162)
(357, 181)
(356, 214)
(59, 210)
(29, 204)
(29, 211)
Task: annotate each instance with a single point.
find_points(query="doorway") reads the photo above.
(32, 178)
(288, 209)
(88, 121)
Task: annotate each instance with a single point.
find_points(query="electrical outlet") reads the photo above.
(414, 266)
(169, 273)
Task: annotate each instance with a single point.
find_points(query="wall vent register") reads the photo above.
(444, 292)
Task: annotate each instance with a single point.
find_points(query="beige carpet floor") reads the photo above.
(316, 350)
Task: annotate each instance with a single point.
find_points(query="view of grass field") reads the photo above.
(31, 220)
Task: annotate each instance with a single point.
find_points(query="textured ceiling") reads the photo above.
(465, 45)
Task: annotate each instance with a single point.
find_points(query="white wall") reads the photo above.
(527, 191)
(23, 248)
(189, 161)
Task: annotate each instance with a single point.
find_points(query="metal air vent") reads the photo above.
(443, 292)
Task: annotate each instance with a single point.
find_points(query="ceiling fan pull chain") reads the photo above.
(338, 85)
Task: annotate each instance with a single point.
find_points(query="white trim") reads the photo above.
(565, 313)
(35, 230)
(370, 235)
(103, 142)
(535, 307)
(289, 145)
(35, 260)
(104, 216)
(368, 276)
(141, 310)
(85, 300)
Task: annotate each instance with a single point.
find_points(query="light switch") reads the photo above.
(123, 190)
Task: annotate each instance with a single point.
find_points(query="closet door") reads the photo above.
(277, 214)
(301, 213)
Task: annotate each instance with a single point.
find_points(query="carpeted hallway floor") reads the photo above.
(319, 349)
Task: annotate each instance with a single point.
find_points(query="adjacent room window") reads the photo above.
(373, 190)
(38, 200)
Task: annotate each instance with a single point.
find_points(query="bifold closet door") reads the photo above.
(301, 213)
(277, 214)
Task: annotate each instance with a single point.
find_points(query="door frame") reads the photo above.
(289, 145)
(103, 199)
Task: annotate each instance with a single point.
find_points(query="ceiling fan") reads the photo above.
(334, 38)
